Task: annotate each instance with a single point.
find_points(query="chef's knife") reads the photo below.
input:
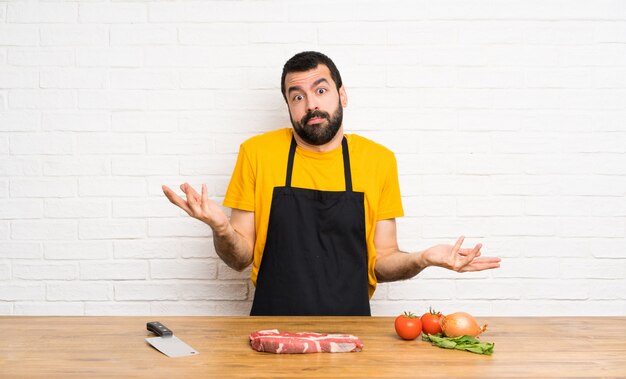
(167, 343)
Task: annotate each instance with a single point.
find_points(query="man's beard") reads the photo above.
(319, 134)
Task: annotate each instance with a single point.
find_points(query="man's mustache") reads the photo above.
(313, 114)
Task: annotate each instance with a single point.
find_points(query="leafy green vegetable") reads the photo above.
(467, 343)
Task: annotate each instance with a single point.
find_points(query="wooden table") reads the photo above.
(115, 347)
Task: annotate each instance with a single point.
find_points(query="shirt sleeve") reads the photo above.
(390, 204)
(240, 192)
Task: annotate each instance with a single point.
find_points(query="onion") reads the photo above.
(460, 324)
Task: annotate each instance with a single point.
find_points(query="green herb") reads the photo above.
(467, 343)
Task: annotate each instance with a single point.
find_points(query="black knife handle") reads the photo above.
(159, 329)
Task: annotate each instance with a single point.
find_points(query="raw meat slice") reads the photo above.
(274, 341)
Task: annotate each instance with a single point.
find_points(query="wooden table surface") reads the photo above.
(115, 347)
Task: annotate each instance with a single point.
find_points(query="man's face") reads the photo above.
(315, 105)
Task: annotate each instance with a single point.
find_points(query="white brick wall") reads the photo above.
(506, 117)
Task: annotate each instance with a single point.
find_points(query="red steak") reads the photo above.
(273, 341)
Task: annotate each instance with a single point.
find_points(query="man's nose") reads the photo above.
(311, 105)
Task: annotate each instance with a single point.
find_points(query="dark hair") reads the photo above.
(308, 60)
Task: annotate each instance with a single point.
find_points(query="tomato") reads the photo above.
(431, 322)
(408, 326)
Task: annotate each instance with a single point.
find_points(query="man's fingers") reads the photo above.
(457, 245)
(482, 264)
(175, 199)
(190, 191)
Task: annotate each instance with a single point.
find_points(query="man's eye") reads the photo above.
(297, 98)
(321, 90)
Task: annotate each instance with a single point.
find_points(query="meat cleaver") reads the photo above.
(167, 343)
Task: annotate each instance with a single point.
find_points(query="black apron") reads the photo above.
(315, 257)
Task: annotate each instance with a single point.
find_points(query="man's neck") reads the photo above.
(328, 146)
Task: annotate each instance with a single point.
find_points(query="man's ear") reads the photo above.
(343, 97)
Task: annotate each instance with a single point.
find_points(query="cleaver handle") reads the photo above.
(159, 329)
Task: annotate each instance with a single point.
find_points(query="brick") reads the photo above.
(177, 227)
(20, 209)
(181, 144)
(525, 226)
(117, 309)
(75, 35)
(178, 56)
(200, 166)
(608, 227)
(110, 143)
(142, 79)
(455, 185)
(213, 291)
(41, 143)
(489, 78)
(40, 56)
(19, 35)
(145, 208)
(76, 121)
(44, 230)
(294, 33)
(111, 187)
(112, 99)
(559, 78)
(453, 228)
(488, 164)
(61, 187)
(186, 269)
(16, 167)
(11, 78)
(72, 78)
(607, 206)
(418, 76)
(13, 292)
(421, 289)
(491, 32)
(69, 165)
(202, 308)
(57, 308)
(42, 99)
(489, 206)
(492, 290)
(561, 205)
(144, 166)
(554, 290)
(221, 78)
(422, 33)
(77, 250)
(410, 164)
(20, 250)
(78, 291)
(111, 13)
(153, 122)
(141, 35)
(217, 12)
(5, 272)
(107, 270)
(109, 57)
(224, 34)
(553, 121)
(180, 100)
(31, 271)
(145, 291)
(33, 13)
(572, 268)
(602, 289)
(111, 229)
(546, 247)
(350, 33)
(523, 268)
(76, 208)
(155, 248)
(20, 121)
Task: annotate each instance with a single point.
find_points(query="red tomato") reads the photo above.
(408, 326)
(431, 322)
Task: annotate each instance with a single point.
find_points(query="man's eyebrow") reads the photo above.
(315, 83)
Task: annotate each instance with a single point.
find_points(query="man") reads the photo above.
(313, 209)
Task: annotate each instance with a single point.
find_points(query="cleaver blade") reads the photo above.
(167, 343)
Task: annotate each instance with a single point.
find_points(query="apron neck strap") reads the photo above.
(346, 163)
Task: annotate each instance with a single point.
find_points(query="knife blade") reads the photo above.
(167, 343)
